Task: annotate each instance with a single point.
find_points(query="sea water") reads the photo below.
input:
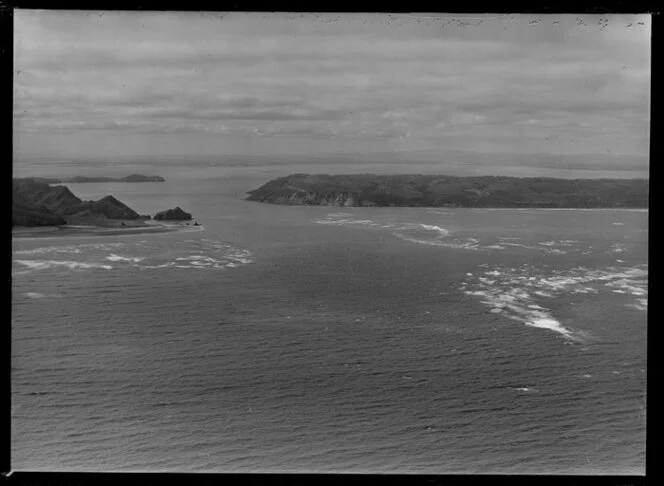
(320, 339)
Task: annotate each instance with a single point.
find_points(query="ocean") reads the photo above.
(328, 339)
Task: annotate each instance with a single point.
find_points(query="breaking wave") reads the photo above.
(117, 258)
(187, 254)
(520, 293)
(38, 295)
(46, 264)
(434, 235)
(69, 248)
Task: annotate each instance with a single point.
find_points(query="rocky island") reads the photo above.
(83, 179)
(175, 214)
(451, 191)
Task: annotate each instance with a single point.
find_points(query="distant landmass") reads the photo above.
(36, 203)
(451, 191)
(80, 179)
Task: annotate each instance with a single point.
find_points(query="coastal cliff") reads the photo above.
(39, 204)
(449, 191)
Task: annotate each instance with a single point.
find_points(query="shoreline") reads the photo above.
(99, 228)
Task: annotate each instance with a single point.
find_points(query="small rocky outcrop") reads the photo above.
(175, 214)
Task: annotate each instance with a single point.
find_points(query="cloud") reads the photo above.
(339, 76)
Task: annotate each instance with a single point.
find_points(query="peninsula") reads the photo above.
(39, 204)
(450, 191)
(39, 209)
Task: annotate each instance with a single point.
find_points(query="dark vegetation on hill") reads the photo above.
(80, 179)
(449, 191)
(175, 214)
(39, 204)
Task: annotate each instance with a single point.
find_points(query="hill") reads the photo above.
(39, 204)
(450, 191)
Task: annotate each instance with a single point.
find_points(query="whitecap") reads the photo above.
(45, 264)
(446, 244)
(549, 323)
(38, 295)
(35, 295)
(117, 258)
(68, 248)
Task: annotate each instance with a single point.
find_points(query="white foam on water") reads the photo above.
(518, 244)
(458, 244)
(69, 248)
(618, 224)
(207, 254)
(412, 232)
(418, 227)
(347, 221)
(45, 264)
(517, 305)
(163, 265)
(617, 248)
(525, 389)
(38, 295)
(548, 323)
(117, 258)
(439, 236)
(513, 292)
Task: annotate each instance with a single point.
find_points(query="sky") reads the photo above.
(143, 83)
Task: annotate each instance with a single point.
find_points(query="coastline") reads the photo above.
(99, 228)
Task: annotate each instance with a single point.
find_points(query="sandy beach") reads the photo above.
(102, 228)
